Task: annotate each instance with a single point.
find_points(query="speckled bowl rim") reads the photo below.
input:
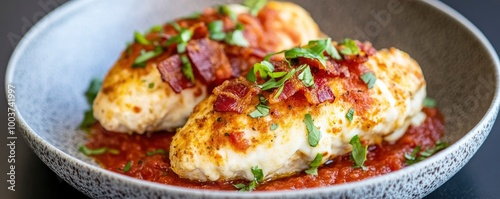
(71, 6)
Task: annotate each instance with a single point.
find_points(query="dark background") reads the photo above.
(480, 178)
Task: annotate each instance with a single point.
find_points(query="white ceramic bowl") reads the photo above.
(55, 61)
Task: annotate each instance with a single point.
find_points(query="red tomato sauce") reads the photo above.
(381, 159)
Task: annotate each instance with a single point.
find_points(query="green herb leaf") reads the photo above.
(415, 157)
(236, 38)
(314, 165)
(255, 6)
(263, 68)
(181, 47)
(92, 90)
(141, 39)
(439, 146)
(240, 186)
(274, 127)
(412, 158)
(258, 177)
(183, 37)
(350, 47)
(369, 78)
(99, 151)
(262, 109)
(90, 95)
(127, 166)
(140, 61)
(225, 10)
(358, 152)
(89, 152)
(314, 135)
(306, 77)
(113, 151)
(151, 85)
(429, 102)
(176, 26)
(317, 47)
(216, 30)
(276, 75)
(332, 51)
(307, 53)
(350, 114)
(187, 69)
(157, 28)
(268, 56)
(157, 151)
(251, 76)
(88, 120)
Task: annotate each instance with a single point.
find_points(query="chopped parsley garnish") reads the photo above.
(313, 50)
(157, 28)
(140, 61)
(225, 10)
(157, 151)
(369, 78)
(332, 51)
(99, 151)
(314, 135)
(88, 152)
(262, 109)
(412, 157)
(429, 102)
(236, 37)
(151, 85)
(272, 83)
(358, 152)
(113, 151)
(141, 39)
(181, 40)
(183, 37)
(306, 77)
(350, 47)
(263, 68)
(304, 52)
(90, 95)
(255, 6)
(350, 114)
(92, 90)
(216, 30)
(274, 127)
(127, 167)
(187, 69)
(415, 157)
(313, 166)
(176, 26)
(258, 177)
(88, 120)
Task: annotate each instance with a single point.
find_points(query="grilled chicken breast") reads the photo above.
(136, 100)
(218, 146)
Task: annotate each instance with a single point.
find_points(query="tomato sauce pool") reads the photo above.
(146, 157)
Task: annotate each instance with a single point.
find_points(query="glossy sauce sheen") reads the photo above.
(381, 159)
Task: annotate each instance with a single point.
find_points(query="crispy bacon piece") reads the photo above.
(171, 72)
(321, 91)
(209, 60)
(234, 95)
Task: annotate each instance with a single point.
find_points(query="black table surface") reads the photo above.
(480, 178)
